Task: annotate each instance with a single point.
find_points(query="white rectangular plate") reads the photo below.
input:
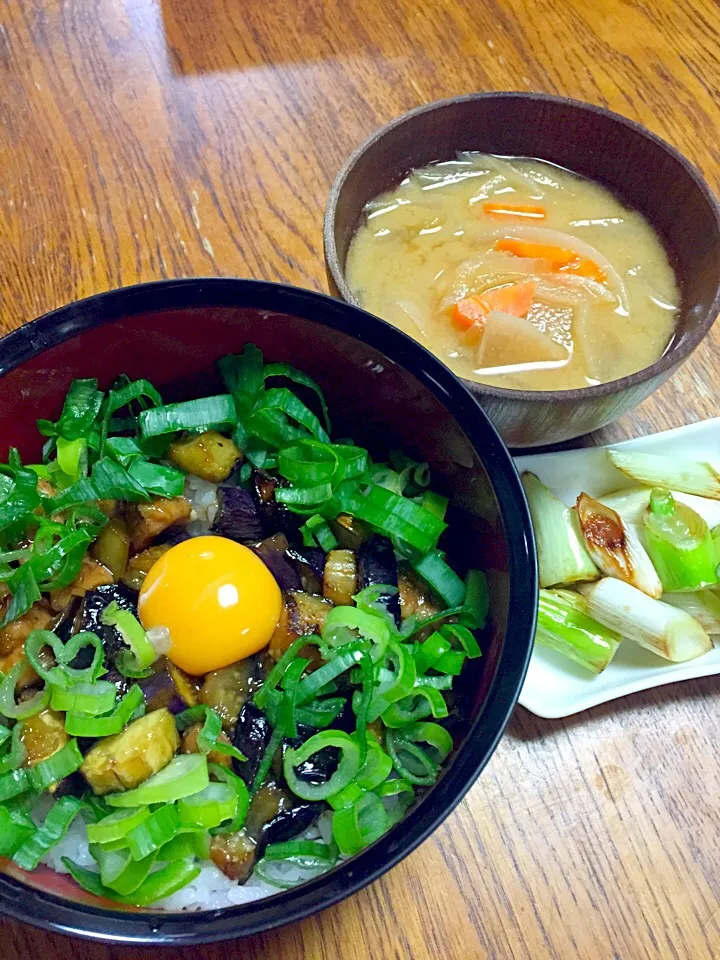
(556, 687)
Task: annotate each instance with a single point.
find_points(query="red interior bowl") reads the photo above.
(384, 390)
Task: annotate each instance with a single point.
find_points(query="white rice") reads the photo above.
(210, 890)
(204, 502)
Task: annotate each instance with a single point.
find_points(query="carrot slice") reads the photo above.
(558, 256)
(585, 267)
(525, 211)
(469, 311)
(515, 299)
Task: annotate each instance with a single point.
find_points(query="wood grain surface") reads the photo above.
(141, 140)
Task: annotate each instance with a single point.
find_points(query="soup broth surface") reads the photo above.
(516, 273)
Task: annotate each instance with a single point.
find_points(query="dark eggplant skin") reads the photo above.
(238, 515)
(172, 536)
(72, 786)
(377, 564)
(95, 602)
(310, 564)
(320, 766)
(273, 553)
(252, 736)
(289, 823)
(64, 626)
(275, 516)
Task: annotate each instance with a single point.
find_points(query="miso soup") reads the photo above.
(516, 273)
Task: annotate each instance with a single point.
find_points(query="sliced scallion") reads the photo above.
(184, 775)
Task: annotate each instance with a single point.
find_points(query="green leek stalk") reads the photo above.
(670, 633)
(564, 625)
(673, 473)
(679, 543)
(704, 606)
(562, 555)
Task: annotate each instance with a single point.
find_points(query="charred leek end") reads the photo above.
(671, 633)
(562, 555)
(679, 544)
(565, 625)
(673, 473)
(615, 546)
(704, 606)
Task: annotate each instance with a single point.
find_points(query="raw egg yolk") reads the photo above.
(217, 598)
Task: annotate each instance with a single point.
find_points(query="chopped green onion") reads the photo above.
(435, 503)
(183, 776)
(194, 843)
(441, 577)
(395, 680)
(116, 825)
(565, 625)
(276, 673)
(61, 764)
(477, 600)
(119, 872)
(679, 544)
(81, 407)
(243, 376)
(391, 788)
(376, 768)
(464, 636)
(25, 592)
(63, 675)
(54, 827)
(226, 776)
(412, 762)
(316, 530)
(142, 653)
(373, 626)
(210, 807)
(16, 754)
(209, 734)
(267, 759)
(311, 685)
(159, 828)
(15, 829)
(347, 768)
(82, 725)
(429, 651)
(157, 479)
(286, 708)
(70, 456)
(88, 698)
(396, 516)
(193, 415)
(111, 481)
(164, 882)
(9, 707)
(283, 401)
(160, 884)
(13, 783)
(357, 826)
(303, 853)
(298, 376)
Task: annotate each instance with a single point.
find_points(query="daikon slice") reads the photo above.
(509, 341)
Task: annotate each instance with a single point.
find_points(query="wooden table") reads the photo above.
(143, 139)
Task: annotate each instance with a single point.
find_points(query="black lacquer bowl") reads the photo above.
(384, 390)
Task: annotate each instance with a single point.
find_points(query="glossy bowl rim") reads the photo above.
(674, 354)
(58, 915)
